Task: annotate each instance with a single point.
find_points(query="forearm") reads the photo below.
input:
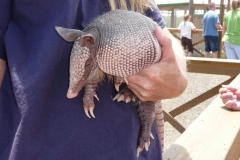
(224, 28)
(2, 70)
(218, 27)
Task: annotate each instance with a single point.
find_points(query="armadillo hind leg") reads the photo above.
(146, 112)
(88, 96)
(159, 121)
(125, 94)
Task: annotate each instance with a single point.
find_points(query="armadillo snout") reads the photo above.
(74, 87)
(71, 94)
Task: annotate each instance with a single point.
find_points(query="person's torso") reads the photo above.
(186, 29)
(232, 20)
(210, 19)
(40, 121)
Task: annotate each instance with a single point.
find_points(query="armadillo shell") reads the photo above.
(127, 42)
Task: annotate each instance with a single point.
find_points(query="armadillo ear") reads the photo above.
(87, 40)
(69, 34)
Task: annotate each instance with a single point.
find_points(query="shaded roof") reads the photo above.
(173, 4)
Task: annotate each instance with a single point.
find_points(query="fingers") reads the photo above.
(230, 104)
(164, 39)
(160, 36)
(231, 88)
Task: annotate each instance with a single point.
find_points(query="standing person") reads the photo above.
(185, 29)
(37, 121)
(211, 25)
(231, 31)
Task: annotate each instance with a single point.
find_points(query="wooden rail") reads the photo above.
(214, 135)
(216, 132)
(198, 31)
(206, 66)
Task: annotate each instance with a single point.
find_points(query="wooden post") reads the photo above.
(222, 7)
(172, 18)
(191, 9)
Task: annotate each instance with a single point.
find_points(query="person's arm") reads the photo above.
(218, 26)
(193, 28)
(2, 70)
(165, 79)
(224, 28)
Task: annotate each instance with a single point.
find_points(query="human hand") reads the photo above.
(165, 79)
(230, 96)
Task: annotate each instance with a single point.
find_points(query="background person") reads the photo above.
(211, 25)
(231, 31)
(186, 28)
(37, 120)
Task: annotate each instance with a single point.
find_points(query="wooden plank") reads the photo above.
(196, 43)
(193, 102)
(173, 122)
(214, 135)
(213, 66)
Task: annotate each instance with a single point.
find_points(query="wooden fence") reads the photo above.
(174, 32)
(215, 135)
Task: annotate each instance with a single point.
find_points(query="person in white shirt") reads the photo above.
(186, 27)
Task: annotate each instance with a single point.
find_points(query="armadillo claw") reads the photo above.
(116, 97)
(96, 97)
(90, 109)
(147, 144)
(120, 98)
(141, 147)
(128, 99)
(138, 151)
(125, 95)
(91, 112)
(151, 135)
(86, 112)
(126, 81)
(117, 87)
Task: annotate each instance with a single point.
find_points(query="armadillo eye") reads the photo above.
(87, 64)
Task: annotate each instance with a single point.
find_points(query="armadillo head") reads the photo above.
(81, 59)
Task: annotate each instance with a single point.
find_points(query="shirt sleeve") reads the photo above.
(192, 25)
(155, 14)
(5, 13)
(217, 20)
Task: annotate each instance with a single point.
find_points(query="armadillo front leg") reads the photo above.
(125, 94)
(146, 112)
(88, 96)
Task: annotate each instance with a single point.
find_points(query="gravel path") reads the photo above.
(198, 84)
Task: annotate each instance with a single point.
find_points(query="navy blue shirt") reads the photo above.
(37, 121)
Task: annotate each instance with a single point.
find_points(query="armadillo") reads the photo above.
(118, 44)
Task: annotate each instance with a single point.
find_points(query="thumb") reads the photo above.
(160, 35)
